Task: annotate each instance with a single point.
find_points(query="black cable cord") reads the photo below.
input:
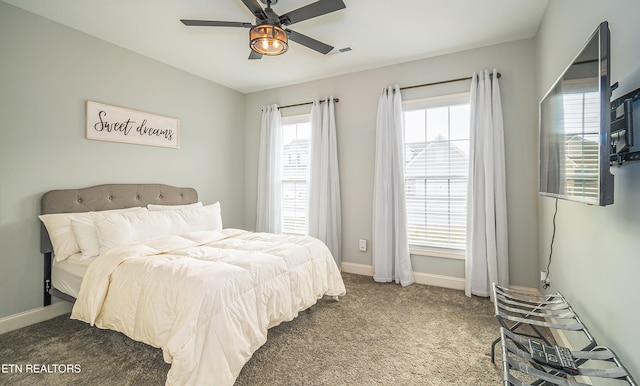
(553, 237)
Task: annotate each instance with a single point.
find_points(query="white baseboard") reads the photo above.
(439, 280)
(420, 277)
(358, 269)
(425, 278)
(36, 315)
(524, 289)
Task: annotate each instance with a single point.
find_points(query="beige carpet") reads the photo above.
(378, 334)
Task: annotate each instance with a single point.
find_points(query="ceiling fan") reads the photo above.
(267, 36)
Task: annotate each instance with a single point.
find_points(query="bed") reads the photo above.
(155, 264)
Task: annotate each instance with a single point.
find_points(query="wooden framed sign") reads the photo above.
(117, 124)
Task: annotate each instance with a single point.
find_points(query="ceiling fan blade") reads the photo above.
(309, 42)
(254, 55)
(212, 23)
(318, 8)
(255, 9)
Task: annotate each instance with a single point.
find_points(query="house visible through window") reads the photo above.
(436, 170)
(296, 148)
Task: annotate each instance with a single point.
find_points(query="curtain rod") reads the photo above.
(336, 100)
(441, 82)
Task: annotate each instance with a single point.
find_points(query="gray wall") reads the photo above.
(595, 261)
(356, 119)
(47, 72)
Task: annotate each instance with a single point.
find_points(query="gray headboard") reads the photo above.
(111, 196)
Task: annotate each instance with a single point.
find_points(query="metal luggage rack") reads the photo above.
(525, 316)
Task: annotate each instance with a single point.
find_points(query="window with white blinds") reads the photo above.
(436, 170)
(296, 148)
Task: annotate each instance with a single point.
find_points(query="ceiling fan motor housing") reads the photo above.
(267, 39)
(267, 36)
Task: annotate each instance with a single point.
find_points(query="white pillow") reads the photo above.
(62, 238)
(173, 207)
(61, 234)
(85, 230)
(116, 229)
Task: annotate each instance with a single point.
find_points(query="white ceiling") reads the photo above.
(379, 32)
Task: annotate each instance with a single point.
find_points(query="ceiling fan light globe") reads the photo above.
(268, 40)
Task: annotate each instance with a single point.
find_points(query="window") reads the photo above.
(296, 148)
(436, 169)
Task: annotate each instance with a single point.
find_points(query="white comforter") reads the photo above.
(206, 298)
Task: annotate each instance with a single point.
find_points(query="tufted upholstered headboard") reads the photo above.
(111, 196)
(101, 197)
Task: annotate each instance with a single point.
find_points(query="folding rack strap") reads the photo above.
(540, 375)
(549, 314)
(526, 304)
(529, 296)
(599, 353)
(534, 303)
(603, 354)
(513, 381)
(511, 363)
(520, 307)
(575, 326)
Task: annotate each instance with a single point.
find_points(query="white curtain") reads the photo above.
(324, 190)
(268, 218)
(390, 246)
(486, 249)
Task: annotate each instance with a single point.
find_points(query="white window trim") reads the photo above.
(438, 101)
(445, 253)
(431, 102)
(294, 120)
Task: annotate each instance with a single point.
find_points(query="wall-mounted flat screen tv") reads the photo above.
(575, 120)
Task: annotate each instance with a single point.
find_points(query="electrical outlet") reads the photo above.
(362, 245)
(544, 279)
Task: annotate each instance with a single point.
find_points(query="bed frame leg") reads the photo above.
(47, 279)
(337, 299)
